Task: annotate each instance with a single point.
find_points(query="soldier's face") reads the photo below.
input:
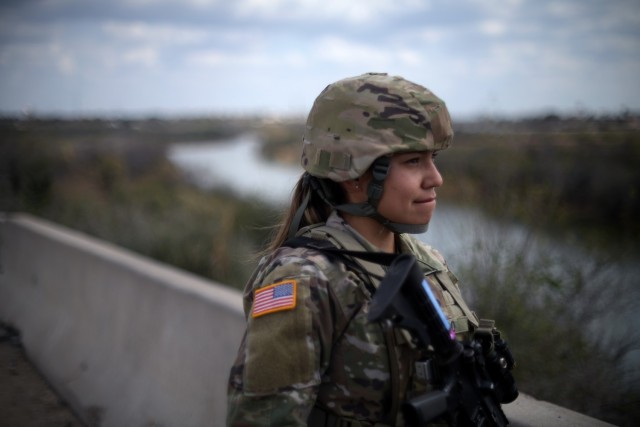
(409, 195)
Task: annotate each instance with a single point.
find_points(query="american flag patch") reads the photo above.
(277, 297)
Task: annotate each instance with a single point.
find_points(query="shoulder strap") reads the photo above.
(373, 261)
(367, 265)
(381, 258)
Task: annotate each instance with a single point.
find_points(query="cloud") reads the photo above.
(143, 32)
(64, 60)
(219, 59)
(345, 51)
(145, 56)
(497, 49)
(360, 12)
(493, 28)
(202, 4)
(45, 55)
(340, 50)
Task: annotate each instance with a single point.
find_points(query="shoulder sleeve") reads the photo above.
(287, 344)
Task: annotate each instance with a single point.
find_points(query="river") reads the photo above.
(238, 165)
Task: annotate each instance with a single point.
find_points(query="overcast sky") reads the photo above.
(185, 57)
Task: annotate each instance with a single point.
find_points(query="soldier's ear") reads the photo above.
(352, 185)
(355, 190)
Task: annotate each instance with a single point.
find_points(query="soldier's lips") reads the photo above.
(425, 201)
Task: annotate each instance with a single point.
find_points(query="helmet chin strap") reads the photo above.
(380, 169)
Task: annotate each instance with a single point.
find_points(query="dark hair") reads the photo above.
(317, 210)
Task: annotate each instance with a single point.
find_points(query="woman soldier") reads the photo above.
(309, 355)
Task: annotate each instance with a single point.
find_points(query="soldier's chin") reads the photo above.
(425, 220)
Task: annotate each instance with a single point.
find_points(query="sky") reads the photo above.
(193, 57)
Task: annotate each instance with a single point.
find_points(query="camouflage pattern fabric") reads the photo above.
(323, 352)
(356, 120)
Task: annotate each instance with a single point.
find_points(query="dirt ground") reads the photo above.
(26, 400)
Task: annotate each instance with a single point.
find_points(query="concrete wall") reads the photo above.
(129, 342)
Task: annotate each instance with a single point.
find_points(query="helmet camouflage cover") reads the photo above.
(358, 119)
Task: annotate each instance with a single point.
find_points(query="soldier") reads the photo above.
(309, 355)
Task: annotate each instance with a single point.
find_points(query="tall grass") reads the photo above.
(569, 316)
(569, 319)
(124, 190)
(577, 185)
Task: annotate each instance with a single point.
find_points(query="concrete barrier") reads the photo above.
(125, 340)
(130, 342)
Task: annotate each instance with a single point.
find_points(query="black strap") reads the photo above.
(326, 247)
(382, 258)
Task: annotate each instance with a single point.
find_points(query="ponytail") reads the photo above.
(316, 211)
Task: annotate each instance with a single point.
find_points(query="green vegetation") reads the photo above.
(119, 186)
(574, 185)
(568, 319)
(572, 179)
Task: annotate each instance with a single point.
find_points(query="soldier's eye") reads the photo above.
(413, 160)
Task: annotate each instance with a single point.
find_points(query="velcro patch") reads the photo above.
(273, 298)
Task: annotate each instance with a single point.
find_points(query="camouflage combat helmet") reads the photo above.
(356, 123)
(356, 120)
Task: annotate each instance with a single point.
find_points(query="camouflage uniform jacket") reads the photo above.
(319, 350)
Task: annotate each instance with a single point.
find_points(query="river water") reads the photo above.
(238, 165)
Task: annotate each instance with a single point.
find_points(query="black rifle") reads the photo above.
(470, 379)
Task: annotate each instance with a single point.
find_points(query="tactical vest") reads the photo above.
(444, 282)
(404, 358)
